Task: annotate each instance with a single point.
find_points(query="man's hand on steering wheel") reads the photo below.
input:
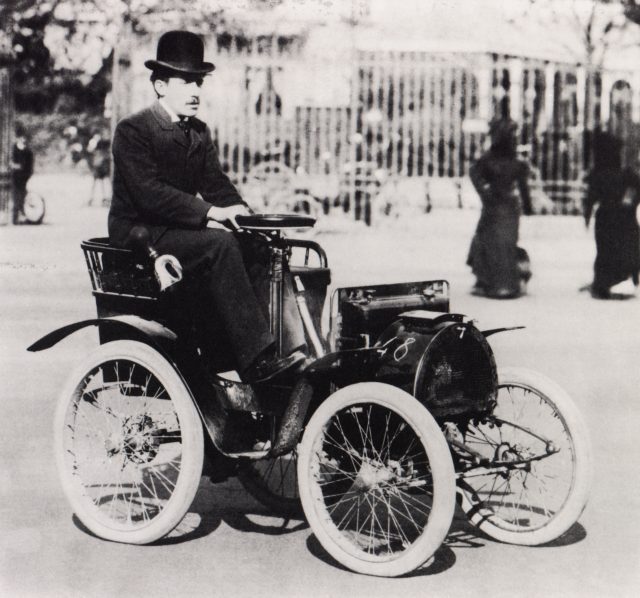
(227, 216)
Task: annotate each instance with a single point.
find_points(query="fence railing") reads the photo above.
(422, 115)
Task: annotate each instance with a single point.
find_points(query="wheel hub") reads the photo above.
(373, 474)
(135, 440)
(507, 453)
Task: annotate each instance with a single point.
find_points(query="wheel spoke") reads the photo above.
(407, 517)
(529, 496)
(124, 443)
(372, 480)
(352, 451)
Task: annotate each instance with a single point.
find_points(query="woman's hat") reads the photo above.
(180, 51)
(502, 127)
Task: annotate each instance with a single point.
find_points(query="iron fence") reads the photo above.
(339, 116)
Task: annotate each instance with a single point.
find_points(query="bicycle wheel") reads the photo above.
(535, 484)
(274, 483)
(376, 479)
(33, 208)
(128, 443)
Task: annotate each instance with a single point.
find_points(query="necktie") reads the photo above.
(185, 125)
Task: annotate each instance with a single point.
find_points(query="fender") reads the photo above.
(347, 366)
(163, 340)
(487, 333)
(148, 331)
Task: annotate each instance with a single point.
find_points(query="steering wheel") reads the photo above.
(274, 221)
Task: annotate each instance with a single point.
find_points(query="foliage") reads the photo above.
(632, 10)
(40, 84)
(52, 137)
(593, 26)
(64, 48)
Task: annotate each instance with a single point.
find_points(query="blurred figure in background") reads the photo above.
(98, 160)
(501, 180)
(22, 169)
(616, 192)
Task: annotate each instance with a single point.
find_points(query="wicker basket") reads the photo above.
(119, 271)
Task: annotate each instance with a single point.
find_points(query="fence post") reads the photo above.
(605, 100)
(6, 117)
(549, 94)
(483, 75)
(581, 92)
(121, 84)
(635, 96)
(515, 90)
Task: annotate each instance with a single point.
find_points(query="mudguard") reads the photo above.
(487, 333)
(213, 397)
(134, 327)
(210, 399)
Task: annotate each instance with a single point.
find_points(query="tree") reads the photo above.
(7, 58)
(588, 29)
(632, 10)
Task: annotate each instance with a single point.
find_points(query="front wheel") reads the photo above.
(129, 444)
(376, 479)
(534, 481)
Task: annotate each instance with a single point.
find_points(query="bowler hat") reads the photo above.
(180, 51)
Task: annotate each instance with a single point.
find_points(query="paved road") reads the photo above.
(234, 547)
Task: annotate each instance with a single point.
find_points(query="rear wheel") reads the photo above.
(128, 443)
(274, 483)
(376, 479)
(535, 483)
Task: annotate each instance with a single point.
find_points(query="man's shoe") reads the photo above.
(268, 367)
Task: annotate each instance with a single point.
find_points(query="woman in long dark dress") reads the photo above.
(501, 180)
(616, 192)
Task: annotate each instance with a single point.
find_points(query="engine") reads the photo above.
(443, 360)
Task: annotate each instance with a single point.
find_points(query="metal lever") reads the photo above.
(303, 308)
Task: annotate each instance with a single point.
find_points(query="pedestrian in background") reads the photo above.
(616, 192)
(22, 169)
(501, 180)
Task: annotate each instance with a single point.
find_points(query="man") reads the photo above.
(22, 169)
(167, 177)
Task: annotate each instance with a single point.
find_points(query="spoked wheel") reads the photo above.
(129, 443)
(33, 208)
(376, 479)
(535, 482)
(274, 483)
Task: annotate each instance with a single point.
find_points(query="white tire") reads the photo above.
(373, 447)
(128, 443)
(537, 501)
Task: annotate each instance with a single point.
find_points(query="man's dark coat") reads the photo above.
(157, 173)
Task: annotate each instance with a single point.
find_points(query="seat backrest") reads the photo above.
(116, 271)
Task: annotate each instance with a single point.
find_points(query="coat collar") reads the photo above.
(162, 116)
(164, 120)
